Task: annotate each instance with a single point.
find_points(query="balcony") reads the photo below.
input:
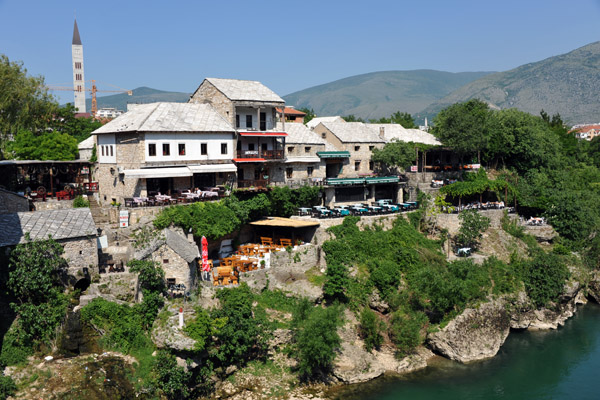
(260, 155)
(253, 184)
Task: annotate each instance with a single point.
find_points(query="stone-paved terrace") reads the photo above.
(60, 224)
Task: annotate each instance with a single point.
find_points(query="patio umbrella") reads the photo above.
(205, 267)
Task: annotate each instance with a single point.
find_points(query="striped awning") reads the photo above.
(208, 168)
(174, 172)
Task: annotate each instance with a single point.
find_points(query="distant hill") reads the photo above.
(140, 95)
(379, 94)
(567, 84)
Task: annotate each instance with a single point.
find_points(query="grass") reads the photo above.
(315, 276)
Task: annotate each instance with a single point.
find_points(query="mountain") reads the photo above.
(379, 94)
(567, 84)
(140, 95)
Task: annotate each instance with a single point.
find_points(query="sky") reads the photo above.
(289, 46)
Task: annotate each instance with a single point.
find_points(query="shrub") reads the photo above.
(472, 226)
(316, 339)
(544, 277)
(80, 202)
(7, 387)
(336, 283)
(14, 350)
(171, 379)
(370, 329)
(405, 331)
(202, 328)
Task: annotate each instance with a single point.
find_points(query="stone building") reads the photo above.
(74, 229)
(176, 255)
(302, 165)
(11, 202)
(290, 114)
(251, 108)
(163, 148)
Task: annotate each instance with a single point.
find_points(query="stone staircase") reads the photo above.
(99, 217)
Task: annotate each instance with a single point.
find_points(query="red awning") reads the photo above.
(238, 160)
(272, 134)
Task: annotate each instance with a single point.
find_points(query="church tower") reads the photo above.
(78, 78)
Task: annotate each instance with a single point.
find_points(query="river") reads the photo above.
(559, 364)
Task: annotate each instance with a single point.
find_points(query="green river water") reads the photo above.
(559, 364)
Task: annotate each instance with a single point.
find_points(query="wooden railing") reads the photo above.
(256, 183)
(266, 154)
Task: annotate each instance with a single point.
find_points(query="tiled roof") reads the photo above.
(87, 143)
(60, 224)
(353, 132)
(168, 117)
(292, 111)
(317, 120)
(300, 134)
(398, 132)
(180, 245)
(239, 90)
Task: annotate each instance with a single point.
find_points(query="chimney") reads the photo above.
(382, 132)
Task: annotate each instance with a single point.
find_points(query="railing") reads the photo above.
(266, 154)
(295, 183)
(252, 183)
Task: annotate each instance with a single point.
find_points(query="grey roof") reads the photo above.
(168, 117)
(239, 90)
(398, 132)
(60, 224)
(317, 120)
(353, 132)
(87, 143)
(76, 38)
(180, 245)
(300, 134)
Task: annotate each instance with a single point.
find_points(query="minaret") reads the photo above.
(78, 78)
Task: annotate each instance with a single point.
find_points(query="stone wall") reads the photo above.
(175, 267)
(52, 205)
(11, 202)
(81, 253)
(452, 223)
(208, 94)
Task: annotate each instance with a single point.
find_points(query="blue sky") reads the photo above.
(289, 46)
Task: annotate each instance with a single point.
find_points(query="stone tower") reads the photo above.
(78, 78)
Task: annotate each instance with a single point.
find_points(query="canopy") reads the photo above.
(197, 169)
(334, 154)
(173, 172)
(307, 159)
(284, 222)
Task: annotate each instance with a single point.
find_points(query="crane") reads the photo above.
(94, 90)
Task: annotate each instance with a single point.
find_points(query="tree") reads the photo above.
(472, 226)
(80, 128)
(24, 101)
(170, 378)
(352, 118)
(310, 114)
(404, 119)
(464, 127)
(45, 146)
(396, 154)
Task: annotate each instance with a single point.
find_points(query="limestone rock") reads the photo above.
(168, 334)
(594, 286)
(544, 233)
(376, 303)
(475, 334)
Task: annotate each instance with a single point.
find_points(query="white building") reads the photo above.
(78, 75)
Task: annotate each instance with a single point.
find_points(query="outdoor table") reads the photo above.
(209, 194)
(304, 211)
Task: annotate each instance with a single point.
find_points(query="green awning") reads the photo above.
(333, 154)
(345, 181)
(383, 179)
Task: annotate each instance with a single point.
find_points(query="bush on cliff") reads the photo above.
(544, 277)
(370, 329)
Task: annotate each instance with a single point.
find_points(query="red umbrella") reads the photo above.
(205, 267)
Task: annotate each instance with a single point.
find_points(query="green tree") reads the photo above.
(396, 154)
(45, 146)
(24, 101)
(337, 282)
(316, 340)
(544, 276)
(310, 114)
(35, 269)
(405, 119)
(370, 329)
(80, 128)
(464, 127)
(352, 118)
(171, 379)
(472, 226)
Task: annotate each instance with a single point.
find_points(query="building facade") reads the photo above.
(78, 75)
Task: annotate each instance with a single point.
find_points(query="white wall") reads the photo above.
(243, 111)
(106, 150)
(192, 143)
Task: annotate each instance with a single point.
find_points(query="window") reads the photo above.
(237, 121)
(289, 172)
(371, 148)
(356, 148)
(309, 171)
(203, 149)
(102, 147)
(152, 149)
(77, 65)
(223, 148)
(371, 165)
(165, 260)
(264, 146)
(307, 149)
(290, 149)
(166, 149)
(357, 165)
(111, 150)
(181, 148)
(323, 135)
(251, 146)
(249, 121)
